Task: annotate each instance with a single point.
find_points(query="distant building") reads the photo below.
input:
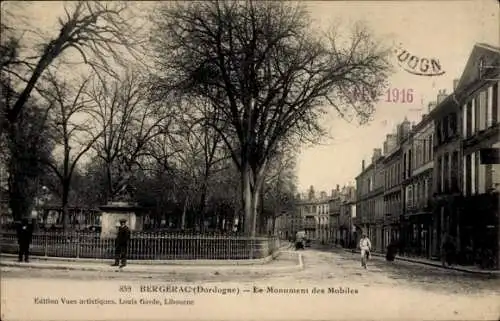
(369, 198)
(347, 213)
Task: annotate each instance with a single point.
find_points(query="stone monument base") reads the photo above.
(111, 215)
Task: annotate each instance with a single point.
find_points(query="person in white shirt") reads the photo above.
(365, 246)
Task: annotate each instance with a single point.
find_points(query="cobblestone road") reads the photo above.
(384, 291)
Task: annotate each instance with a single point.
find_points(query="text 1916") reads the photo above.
(396, 95)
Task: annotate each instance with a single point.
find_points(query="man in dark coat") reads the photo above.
(24, 237)
(391, 251)
(121, 244)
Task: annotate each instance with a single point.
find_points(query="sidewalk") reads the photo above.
(437, 264)
(284, 261)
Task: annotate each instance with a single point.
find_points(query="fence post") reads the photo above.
(77, 245)
(45, 245)
(252, 239)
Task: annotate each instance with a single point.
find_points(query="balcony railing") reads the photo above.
(146, 246)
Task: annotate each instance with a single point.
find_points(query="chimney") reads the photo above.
(455, 84)
(377, 153)
(441, 96)
(333, 193)
(323, 195)
(432, 105)
(311, 193)
(404, 129)
(338, 187)
(363, 165)
(391, 140)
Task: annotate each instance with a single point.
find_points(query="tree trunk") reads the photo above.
(65, 198)
(109, 196)
(184, 210)
(255, 204)
(248, 208)
(202, 207)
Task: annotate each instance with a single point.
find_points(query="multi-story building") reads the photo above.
(477, 94)
(323, 206)
(347, 211)
(369, 198)
(393, 177)
(313, 215)
(334, 204)
(417, 182)
(288, 224)
(446, 171)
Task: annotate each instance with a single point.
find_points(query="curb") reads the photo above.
(436, 265)
(247, 262)
(103, 266)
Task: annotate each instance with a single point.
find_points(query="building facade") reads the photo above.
(369, 198)
(446, 172)
(477, 93)
(417, 182)
(393, 191)
(347, 211)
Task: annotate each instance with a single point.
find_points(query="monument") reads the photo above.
(120, 208)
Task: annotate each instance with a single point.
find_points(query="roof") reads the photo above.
(491, 57)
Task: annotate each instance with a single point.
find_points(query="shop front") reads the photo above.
(417, 234)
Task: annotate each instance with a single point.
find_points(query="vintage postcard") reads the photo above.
(250, 160)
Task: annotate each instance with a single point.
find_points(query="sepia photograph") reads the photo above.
(250, 160)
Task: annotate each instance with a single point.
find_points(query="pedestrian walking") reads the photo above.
(24, 237)
(365, 246)
(391, 251)
(121, 244)
(447, 251)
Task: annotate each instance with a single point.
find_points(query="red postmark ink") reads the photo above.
(403, 96)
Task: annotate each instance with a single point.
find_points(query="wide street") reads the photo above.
(397, 290)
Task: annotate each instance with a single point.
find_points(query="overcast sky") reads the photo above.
(443, 30)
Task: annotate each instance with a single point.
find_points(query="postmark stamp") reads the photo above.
(417, 64)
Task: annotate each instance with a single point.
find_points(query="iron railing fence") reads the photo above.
(146, 246)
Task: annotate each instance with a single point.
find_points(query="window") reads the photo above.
(477, 112)
(453, 124)
(472, 159)
(483, 109)
(424, 152)
(409, 163)
(404, 165)
(446, 172)
(468, 125)
(431, 147)
(454, 172)
(438, 132)
(439, 176)
(494, 102)
(445, 128)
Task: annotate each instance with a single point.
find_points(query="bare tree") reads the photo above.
(279, 186)
(72, 130)
(203, 153)
(128, 122)
(95, 30)
(264, 68)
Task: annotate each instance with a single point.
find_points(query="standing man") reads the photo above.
(121, 244)
(365, 246)
(24, 237)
